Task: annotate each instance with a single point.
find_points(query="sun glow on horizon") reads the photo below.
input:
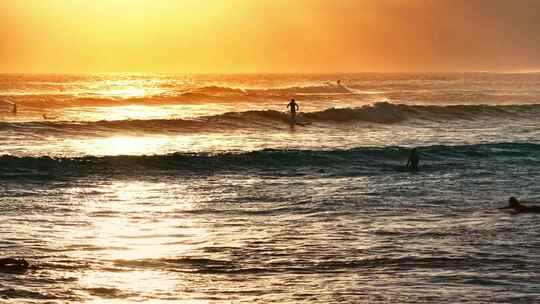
(239, 36)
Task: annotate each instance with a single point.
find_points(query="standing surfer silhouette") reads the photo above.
(414, 159)
(294, 107)
(14, 110)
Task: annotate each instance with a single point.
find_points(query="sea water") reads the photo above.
(129, 188)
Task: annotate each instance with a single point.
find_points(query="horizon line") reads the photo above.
(271, 73)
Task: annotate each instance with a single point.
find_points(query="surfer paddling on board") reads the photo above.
(414, 159)
(294, 107)
(11, 264)
(517, 207)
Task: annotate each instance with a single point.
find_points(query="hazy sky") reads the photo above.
(230, 36)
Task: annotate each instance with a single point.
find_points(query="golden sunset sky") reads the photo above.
(238, 36)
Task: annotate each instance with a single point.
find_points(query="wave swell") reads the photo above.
(368, 160)
(382, 112)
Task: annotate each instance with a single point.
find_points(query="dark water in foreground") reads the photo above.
(214, 206)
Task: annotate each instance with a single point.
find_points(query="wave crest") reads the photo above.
(367, 160)
(382, 112)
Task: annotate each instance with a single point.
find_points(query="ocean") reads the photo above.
(128, 188)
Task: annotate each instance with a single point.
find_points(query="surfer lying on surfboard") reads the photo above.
(7, 264)
(513, 203)
(47, 117)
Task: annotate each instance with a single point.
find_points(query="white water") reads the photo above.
(328, 216)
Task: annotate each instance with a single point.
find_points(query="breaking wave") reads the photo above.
(382, 112)
(58, 98)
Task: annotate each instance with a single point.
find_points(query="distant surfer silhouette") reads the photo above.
(294, 107)
(14, 109)
(11, 264)
(47, 117)
(517, 207)
(414, 159)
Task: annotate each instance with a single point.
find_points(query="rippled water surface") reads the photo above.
(197, 189)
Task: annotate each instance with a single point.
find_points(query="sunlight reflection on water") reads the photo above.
(319, 225)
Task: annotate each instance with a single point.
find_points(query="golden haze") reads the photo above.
(230, 36)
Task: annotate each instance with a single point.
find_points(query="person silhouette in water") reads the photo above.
(294, 107)
(14, 109)
(517, 207)
(13, 264)
(413, 161)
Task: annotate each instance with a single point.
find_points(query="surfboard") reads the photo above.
(299, 123)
